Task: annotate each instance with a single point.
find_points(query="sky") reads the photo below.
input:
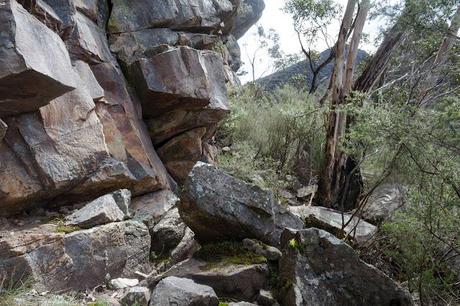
(274, 17)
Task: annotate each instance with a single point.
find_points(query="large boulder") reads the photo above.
(383, 202)
(88, 41)
(182, 292)
(168, 232)
(125, 133)
(179, 121)
(181, 153)
(319, 269)
(249, 12)
(151, 207)
(238, 281)
(59, 153)
(77, 260)
(201, 15)
(180, 78)
(217, 206)
(131, 46)
(35, 66)
(356, 229)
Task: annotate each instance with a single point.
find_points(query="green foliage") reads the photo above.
(66, 229)
(312, 16)
(273, 134)
(99, 303)
(227, 253)
(22, 295)
(419, 148)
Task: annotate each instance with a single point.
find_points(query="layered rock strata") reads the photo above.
(91, 90)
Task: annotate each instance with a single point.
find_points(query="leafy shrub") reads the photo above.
(418, 148)
(281, 132)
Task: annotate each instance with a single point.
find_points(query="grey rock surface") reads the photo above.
(101, 211)
(330, 220)
(136, 296)
(242, 211)
(323, 270)
(35, 66)
(77, 260)
(182, 292)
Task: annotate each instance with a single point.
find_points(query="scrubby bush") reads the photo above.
(418, 148)
(275, 133)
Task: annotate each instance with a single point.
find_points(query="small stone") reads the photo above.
(182, 292)
(226, 149)
(139, 296)
(266, 298)
(103, 210)
(121, 283)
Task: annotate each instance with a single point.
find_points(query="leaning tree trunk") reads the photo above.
(378, 63)
(341, 183)
(440, 60)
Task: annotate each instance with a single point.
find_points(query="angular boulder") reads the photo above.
(319, 269)
(150, 208)
(118, 249)
(35, 66)
(201, 15)
(181, 78)
(249, 12)
(383, 202)
(236, 281)
(357, 230)
(179, 121)
(168, 232)
(59, 153)
(217, 206)
(182, 152)
(77, 260)
(88, 41)
(136, 296)
(101, 211)
(89, 80)
(182, 292)
(230, 280)
(125, 133)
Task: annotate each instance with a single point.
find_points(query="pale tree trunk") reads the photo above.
(341, 184)
(378, 63)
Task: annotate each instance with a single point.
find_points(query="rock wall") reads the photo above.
(100, 95)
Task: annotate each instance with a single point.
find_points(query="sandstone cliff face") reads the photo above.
(101, 95)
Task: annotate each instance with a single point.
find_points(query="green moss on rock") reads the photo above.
(227, 253)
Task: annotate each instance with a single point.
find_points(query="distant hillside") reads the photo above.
(302, 69)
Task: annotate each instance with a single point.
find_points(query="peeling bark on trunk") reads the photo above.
(379, 61)
(341, 183)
